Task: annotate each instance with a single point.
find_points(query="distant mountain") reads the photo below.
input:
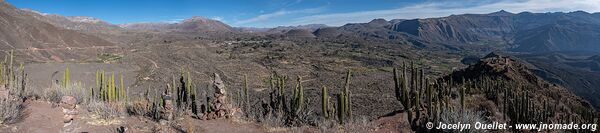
(194, 24)
(525, 32)
(578, 71)
(284, 29)
(299, 33)
(147, 26)
(79, 23)
(251, 29)
(460, 29)
(41, 40)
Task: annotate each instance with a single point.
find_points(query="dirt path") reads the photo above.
(228, 126)
(43, 118)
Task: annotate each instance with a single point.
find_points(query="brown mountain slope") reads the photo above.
(40, 40)
(78, 23)
(498, 83)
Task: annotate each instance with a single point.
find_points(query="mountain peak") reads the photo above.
(379, 22)
(501, 13)
(197, 18)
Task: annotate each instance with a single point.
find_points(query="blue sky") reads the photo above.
(271, 13)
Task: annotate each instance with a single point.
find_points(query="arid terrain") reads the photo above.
(202, 75)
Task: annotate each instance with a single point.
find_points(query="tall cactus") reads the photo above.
(429, 98)
(123, 95)
(348, 102)
(97, 82)
(418, 104)
(324, 102)
(246, 97)
(188, 88)
(341, 108)
(298, 100)
(10, 69)
(397, 85)
(65, 76)
(462, 98)
(102, 86)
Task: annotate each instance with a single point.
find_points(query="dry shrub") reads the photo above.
(138, 108)
(55, 93)
(464, 117)
(105, 110)
(360, 125)
(11, 111)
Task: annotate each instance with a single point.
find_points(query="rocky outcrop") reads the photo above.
(220, 107)
(69, 108)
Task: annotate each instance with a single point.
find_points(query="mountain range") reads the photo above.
(534, 37)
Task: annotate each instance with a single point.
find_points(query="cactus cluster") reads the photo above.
(297, 101)
(106, 88)
(185, 92)
(423, 99)
(277, 97)
(344, 103)
(11, 78)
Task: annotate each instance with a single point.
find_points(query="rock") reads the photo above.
(68, 118)
(68, 102)
(218, 84)
(70, 111)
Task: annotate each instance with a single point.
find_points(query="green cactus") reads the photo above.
(103, 87)
(9, 69)
(298, 100)
(429, 98)
(188, 87)
(112, 88)
(462, 98)
(66, 77)
(123, 95)
(97, 81)
(341, 108)
(418, 105)
(347, 103)
(246, 98)
(324, 102)
(397, 84)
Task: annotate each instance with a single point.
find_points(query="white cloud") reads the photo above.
(279, 13)
(439, 9)
(217, 18)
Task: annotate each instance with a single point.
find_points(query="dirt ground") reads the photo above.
(43, 117)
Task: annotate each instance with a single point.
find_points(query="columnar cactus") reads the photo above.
(246, 97)
(123, 95)
(462, 98)
(341, 108)
(298, 99)
(65, 76)
(324, 102)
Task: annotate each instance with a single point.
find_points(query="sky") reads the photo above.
(272, 13)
